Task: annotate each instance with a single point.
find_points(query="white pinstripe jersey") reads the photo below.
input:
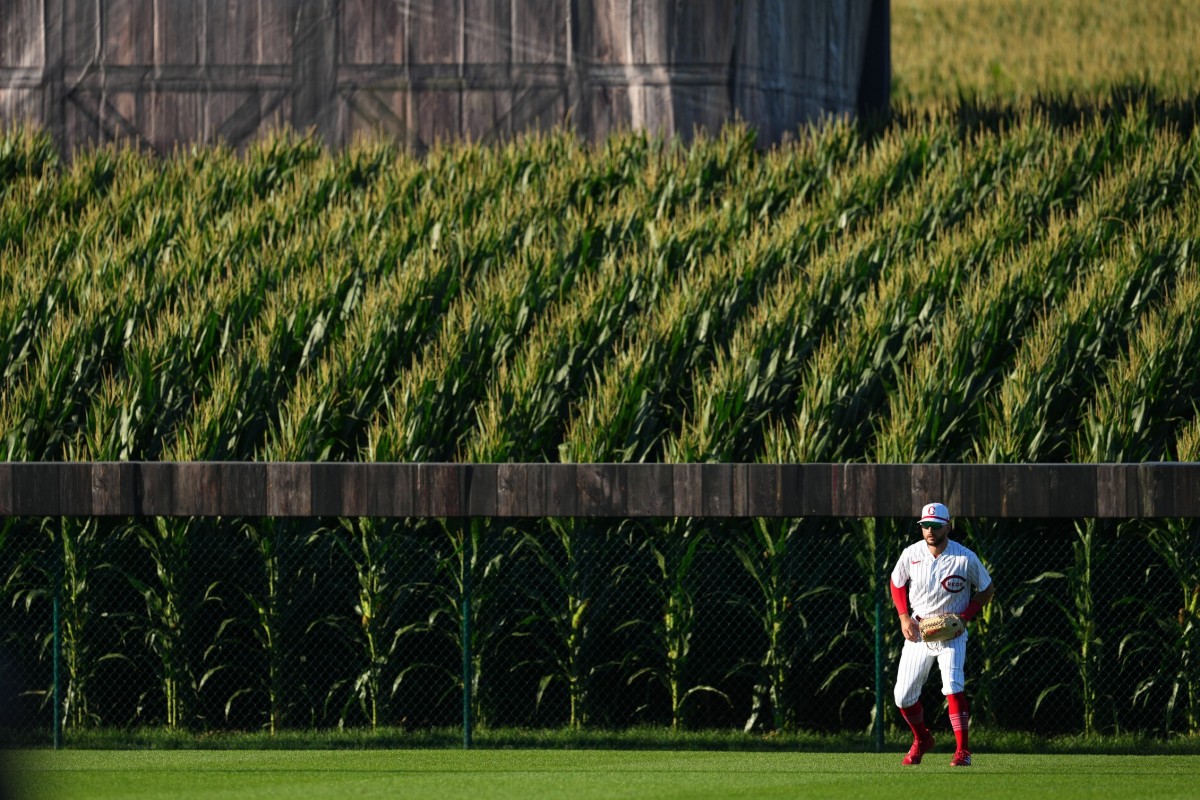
(942, 584)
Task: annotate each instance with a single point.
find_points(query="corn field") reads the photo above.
(980, 284)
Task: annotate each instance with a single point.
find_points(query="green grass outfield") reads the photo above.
(525, 774)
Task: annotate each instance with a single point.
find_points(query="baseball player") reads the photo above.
(936, 576)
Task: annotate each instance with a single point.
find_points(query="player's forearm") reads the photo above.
(977, 602)
(900, 599)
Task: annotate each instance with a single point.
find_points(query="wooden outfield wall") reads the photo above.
(596, 490)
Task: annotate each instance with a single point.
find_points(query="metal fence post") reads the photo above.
(468, 557)
(880, 577)
(56, 656)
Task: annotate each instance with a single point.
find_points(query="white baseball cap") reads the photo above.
(935, 512)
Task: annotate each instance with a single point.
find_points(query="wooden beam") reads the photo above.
(210, 489)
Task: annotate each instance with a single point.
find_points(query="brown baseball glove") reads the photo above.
(941, 627)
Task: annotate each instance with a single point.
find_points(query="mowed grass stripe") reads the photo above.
(183, 775)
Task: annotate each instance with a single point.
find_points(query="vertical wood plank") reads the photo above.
(601, 490)
(1133, 491)
(562, 497)
(274, 42)
(741, 490)
(487, 32)
(791, 490)
(1156, 489)
(362, 29)
(34, 487)
(243, 489)
(1072, 490)
(482, 489)
(53, 106)
(764, 490)
(439, 490)
(651, 490)
(6, 490)
(356, 496)
(927, 486)
(404, 489)
(75, 488)
(378, 489)
(971, 490)
(857, 494)
(511, 498)
(1112, 491)
(314, 69)
(197, 486)
(1186, 480)
(180, 36)
(716, 481)
(340, 490)
(537, 480)
(52, 489)
(894, 488)
(113, 488)
(154, 489)
(326, 491)
(1023, 494)
(817, 482)
(688, 490)
(288, 489)
(539, 32)
(838, 506)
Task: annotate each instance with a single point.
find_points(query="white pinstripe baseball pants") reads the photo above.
(917, 658)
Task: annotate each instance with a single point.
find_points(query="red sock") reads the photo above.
(959, 717)
(914, 715)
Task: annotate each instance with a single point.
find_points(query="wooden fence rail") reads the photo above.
(303, 489)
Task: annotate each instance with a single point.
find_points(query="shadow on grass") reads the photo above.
(629, 739)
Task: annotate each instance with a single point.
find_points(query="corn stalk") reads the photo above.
(272, 540)
(72, 565)
(770, 552)
(1164, 645)
(1085, 649)
(673, 550)
(569, 591)
(756, 378)
(1038, 405)
(935, 403)
(848, 377)
(379, 553)
(173, 604)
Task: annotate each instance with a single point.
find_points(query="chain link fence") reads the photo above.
(756, 624)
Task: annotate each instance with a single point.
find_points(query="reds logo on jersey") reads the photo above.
(954, 583)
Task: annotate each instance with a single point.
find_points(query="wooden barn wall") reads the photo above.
(171, 72)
